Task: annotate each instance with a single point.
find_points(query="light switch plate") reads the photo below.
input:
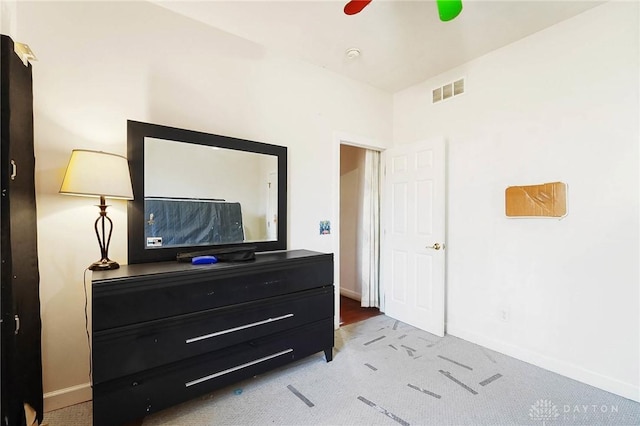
(325, 227)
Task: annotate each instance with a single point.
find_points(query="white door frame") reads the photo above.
(342, 138)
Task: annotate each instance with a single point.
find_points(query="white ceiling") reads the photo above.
(402, 42)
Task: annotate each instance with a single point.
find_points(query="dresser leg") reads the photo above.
(328, 354)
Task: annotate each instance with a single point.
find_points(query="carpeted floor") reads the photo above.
(386, 373)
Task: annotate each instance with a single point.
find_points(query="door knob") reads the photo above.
(436, 246)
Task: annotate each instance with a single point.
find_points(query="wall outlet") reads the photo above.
(504, 314)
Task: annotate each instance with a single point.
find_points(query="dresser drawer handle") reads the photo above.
(236, 368)
(14, 170)
(242, 327)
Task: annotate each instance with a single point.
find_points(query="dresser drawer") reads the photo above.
(131, 300)
(140, 394)
(126, 350)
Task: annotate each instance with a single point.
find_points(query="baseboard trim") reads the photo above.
(68, 396)
(609, 384)
(350, 293)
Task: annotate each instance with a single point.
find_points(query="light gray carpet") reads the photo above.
(387, 373)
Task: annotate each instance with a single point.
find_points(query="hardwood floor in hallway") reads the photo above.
(351, 311)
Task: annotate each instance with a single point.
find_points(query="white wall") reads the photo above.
(103, 63)
(560, 105)
(8, 18)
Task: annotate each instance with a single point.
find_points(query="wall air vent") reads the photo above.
(458, 87)
(447, 91)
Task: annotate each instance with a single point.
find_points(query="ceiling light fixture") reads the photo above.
(352, 52)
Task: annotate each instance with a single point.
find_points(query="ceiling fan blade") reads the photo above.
(355, 6)
(449, 9)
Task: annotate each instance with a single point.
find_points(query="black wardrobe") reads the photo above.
(21, 373)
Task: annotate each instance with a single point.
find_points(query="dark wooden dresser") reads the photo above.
(164, 333)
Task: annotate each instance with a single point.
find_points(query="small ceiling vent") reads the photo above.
(447, 91)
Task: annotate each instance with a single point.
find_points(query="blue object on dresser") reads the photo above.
(203, 260)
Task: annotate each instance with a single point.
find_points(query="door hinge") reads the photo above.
(17, 318)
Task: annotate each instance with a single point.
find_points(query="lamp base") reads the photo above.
(104, 265)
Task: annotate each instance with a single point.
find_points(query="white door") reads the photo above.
(413, 258)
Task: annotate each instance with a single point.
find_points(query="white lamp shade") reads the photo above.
(96, 173)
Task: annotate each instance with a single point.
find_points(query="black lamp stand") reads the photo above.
(105, 263)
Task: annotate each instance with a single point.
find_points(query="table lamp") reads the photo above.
(104, 175)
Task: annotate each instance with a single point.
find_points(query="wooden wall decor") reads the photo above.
(544, 200)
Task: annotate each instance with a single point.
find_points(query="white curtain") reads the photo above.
(369, 244)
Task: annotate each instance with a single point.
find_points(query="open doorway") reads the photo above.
(359, 233)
